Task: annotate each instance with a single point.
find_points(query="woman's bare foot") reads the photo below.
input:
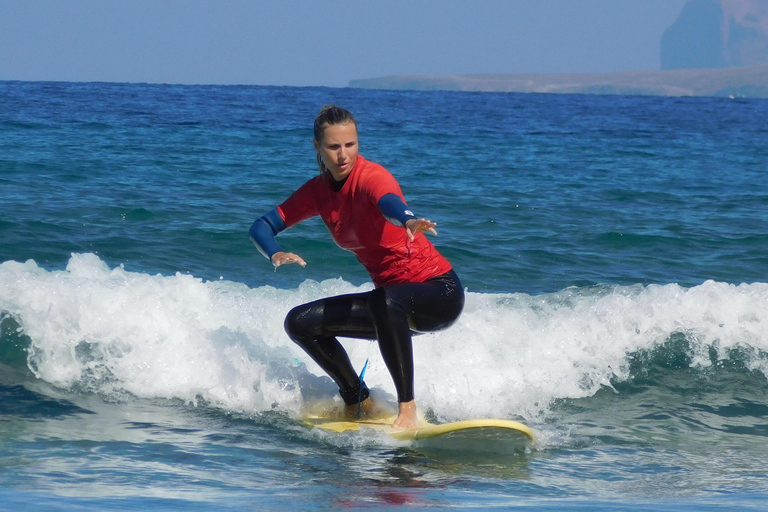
(406, 417)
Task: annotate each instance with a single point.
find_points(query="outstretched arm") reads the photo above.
(263, 233)
(396, 211)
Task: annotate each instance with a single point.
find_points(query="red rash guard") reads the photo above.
(353, 218)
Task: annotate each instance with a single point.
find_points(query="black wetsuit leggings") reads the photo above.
(390, 314)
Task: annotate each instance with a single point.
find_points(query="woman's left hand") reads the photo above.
(413, 226)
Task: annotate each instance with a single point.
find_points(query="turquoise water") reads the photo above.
(613, 250)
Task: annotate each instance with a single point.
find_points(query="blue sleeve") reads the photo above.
(395, 210)
(264, 231)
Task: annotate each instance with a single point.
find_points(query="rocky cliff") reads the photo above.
(717, 34)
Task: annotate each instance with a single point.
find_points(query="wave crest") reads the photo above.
(111, 331)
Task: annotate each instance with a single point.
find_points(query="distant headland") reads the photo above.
(715, 48)
(747, 82)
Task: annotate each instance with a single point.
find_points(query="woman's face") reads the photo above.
(338, 149)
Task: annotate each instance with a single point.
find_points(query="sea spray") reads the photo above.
(110, 332)
(516, 353)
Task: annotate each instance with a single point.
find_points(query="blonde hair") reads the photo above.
(330, 115)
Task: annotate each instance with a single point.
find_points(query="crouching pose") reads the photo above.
(416, 289)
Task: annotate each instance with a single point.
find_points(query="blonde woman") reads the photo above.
(416, 289)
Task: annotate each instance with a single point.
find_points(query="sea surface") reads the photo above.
(614, 250)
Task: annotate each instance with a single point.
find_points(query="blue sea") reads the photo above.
(614, 250)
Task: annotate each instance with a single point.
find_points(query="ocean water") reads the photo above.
(614, 251)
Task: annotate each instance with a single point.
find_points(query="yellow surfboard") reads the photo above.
(485, 434)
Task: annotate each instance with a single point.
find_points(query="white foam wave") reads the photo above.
(112, 331)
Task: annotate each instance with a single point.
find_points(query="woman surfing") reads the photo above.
(416, 289)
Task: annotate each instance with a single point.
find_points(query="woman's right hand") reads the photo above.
(281, 257)
(413, 226)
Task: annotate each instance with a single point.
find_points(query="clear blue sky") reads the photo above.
(304, 42)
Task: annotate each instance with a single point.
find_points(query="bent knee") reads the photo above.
(295, 324)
